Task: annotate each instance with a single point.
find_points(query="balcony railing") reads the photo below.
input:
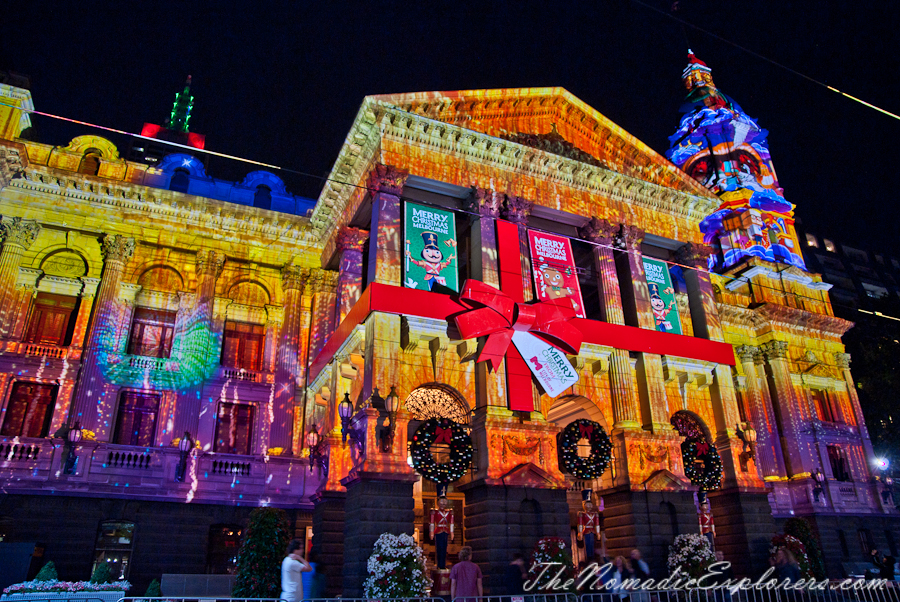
(43, 350)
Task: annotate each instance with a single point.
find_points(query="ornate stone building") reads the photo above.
(145, 306)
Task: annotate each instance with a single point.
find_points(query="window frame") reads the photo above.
(251, 428)
(139, 324)
(114, 548)
(117, 432)
(217, 559)
(29, 411)
(37, 319)
(238, 361)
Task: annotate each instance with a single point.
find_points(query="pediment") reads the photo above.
(666, 480)
(551, 120)
(529, 475)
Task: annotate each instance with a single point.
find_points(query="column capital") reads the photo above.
(210, 263)
(18, 231)
(694, 255)
(351, 239)
(294, 277)
(600, 231)
(484, 202)
(746, 353)
(631, 238)
(116, 247)
(842, 360)
(774, 349)
(387, 179)
(322, 281)
(516, 209)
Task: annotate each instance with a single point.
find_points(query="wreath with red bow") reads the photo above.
(594, 464)
(437, 431)
(702, 464)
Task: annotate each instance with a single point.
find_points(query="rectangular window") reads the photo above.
(115, 541)
(152, 332)
(865, 541)
(222, 551)
(838, 464)
(823, 408)
(242, 345)
(29, 410)
(234, 428)
(136, 424)
(50, 319)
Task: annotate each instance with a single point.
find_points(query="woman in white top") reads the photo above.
(291, 568)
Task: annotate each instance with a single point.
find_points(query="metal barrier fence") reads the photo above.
(206, 598)
(848, 590)
(339, 599)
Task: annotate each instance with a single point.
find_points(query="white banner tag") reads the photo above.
(548, 364)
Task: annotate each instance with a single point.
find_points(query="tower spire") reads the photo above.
(181, 109)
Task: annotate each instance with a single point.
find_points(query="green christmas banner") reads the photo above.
(662, 296)
(430, 248)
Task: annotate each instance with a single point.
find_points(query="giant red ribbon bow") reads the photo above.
(442, 435)
(586, 430)
(495, 315)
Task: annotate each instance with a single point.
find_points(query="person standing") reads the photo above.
(292, 568)
(465, 576)
(885, 566)
(515, 576)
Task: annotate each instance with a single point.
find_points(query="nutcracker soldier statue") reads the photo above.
(707, 525)
(440, 527)
(589, 524)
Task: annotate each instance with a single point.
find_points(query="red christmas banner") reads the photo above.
(554, 271)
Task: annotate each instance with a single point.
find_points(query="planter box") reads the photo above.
(62, 597)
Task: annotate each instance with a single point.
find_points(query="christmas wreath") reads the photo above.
(702, 464)
(594, 464)
(436, 431)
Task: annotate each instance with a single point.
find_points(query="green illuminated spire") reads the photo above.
(181, 109)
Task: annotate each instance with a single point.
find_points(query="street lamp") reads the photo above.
(184, 446)
(345, 412)
(312, 441)
(73, 437)
(748, 436)
(819, 488)
(391, 405)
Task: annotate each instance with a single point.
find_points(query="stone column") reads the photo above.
(701, 297)
(387, 251)
(287, 369)
(200, 345)
(517, 210)
(800, 454)
(350, 243)
(624, 402)
(85, 307)
(843, 362)
(90, 407)
(637, 312)
(18, 236)
(759, 363)
(321, 285)
(761, 420)
(483, 250)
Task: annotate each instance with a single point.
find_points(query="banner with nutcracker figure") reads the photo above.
(553, 267)
(662, 296)
(430, 252)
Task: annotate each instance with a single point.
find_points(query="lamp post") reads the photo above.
(73, 437)
(312, 441)
(345, 412)
(391, 405)
(819, 487)
(184, 446)
(748, 436)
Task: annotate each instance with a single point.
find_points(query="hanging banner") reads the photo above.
(662, 296)
(430, 253)
(554, 271)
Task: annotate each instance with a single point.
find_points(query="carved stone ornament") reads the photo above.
(600, 231)
(693, 255)
(18, 231)
(842, 360)
(116, 247)
(746, 353)
(210, 263)
(484, 202)
(516, 209)
(351, 239)
(322, 281)
(631, 238)
(294, 278)
(774, 349)
(553, 142)
(387, 179)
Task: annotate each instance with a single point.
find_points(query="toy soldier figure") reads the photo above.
(440, 528)
(589, 524)
(707, 526)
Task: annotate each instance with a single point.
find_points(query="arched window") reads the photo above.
(180, 181)
(90, 162)
(263, 197)
(438, 401)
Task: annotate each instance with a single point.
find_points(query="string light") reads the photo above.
(594, 465)
(461, 451)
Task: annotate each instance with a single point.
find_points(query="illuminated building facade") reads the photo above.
(142, 303)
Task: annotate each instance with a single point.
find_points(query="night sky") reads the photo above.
(282, 83)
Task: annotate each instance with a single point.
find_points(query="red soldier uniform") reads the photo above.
(707, 526)
(440, 527)
(589, 525)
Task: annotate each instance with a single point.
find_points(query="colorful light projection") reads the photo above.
(721, 147)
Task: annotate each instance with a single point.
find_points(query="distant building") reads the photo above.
(147, 150)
